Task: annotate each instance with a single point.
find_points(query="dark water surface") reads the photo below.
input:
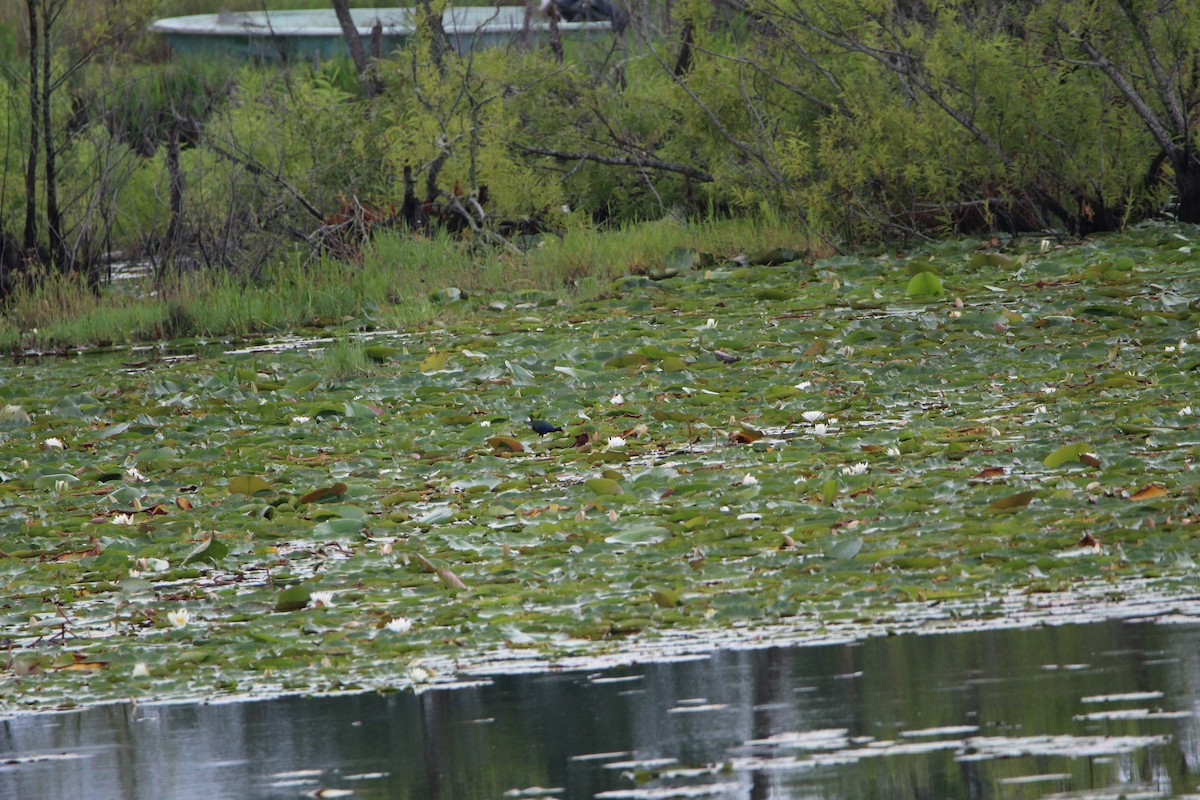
(1095, 711)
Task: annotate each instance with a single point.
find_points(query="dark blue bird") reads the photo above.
(541, 427)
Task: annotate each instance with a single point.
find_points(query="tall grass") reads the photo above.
(391, 286)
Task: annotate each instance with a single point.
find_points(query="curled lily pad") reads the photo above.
(845, 549)
(13, 416)
(774, 257)
(1077, 451)
(604, 486)
(925, 284)
(324, 493)
(248, 484)
(1013, 501)
(449, 294)
(627, 360)
(293, 598)
(211, 549)
(505, 444)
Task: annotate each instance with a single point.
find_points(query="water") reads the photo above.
(1099, 710)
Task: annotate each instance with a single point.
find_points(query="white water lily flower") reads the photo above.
(802, 385)
(819, 429)
(54, 443)
(122, 519)
(893, 451)
(617, 399)
(712, 323)
(615, 443)
(132, 474)
(855, 469)
(399, 625)
(1049, 389)
(140, 670)
(321, 599)
(812, 416)
(749, 480)
(1186, 411)
(179, 618)
(300, 420)
(485, 423)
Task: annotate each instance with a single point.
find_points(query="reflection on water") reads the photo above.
(1005, 714)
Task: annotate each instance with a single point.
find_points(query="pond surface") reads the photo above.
(1096, 711)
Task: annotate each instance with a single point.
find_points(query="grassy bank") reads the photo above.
(395, 284)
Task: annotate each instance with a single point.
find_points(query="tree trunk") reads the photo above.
(353, 41)
(30, 236)
(175, 174)
(439, 44)
(58, 246)
(1187, 186)
(683, 62)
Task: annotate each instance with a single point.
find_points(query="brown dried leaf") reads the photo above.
(990, 472)
(1149, 491)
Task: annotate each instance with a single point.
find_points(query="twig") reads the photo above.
(621, 161)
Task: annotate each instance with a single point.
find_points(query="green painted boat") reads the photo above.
(304, 35)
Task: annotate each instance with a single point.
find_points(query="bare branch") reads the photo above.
(1155, 125)
(255, 167)
(621, 161)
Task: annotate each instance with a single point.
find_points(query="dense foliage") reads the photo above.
(866, 119)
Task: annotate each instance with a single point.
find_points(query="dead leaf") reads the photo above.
(990, 472)
(745, 436)
(505, 444)
(324, 492)
(1149, 491)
